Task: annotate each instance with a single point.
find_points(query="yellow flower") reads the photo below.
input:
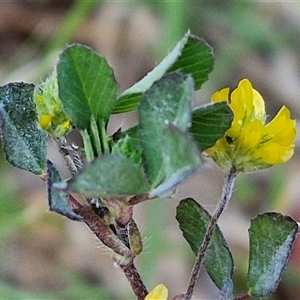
(250, 144)
(51, 115)
(160, 292)
(45, 121)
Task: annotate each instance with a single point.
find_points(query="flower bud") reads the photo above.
(51, 115)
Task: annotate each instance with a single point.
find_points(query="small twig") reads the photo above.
(135, 280)
(226, 195)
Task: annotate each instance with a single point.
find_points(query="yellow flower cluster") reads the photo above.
(51, 115)
(250, 144)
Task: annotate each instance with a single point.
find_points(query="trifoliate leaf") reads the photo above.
(272, 237)
(24, 143)
(180, 159)
(110, 175)
(227, 289)
(209, 123)
(191, 56)
(196, 59)
(58, 200)
(168, 101)
(193, 221)
(86, 85)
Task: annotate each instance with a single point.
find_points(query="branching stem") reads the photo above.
(123, 256)
(226, 195)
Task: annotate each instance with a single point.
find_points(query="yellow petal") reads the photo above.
(273, 153)
(281, 129)
(66, 124)
(243, 95)
(247, 103)
(233, 131)
(220, 95)
(286, 138)
(259, 106)
(241, 101)
(160, 292)
(45, 120)
(251, 134)
(275, 126)
(281, 123)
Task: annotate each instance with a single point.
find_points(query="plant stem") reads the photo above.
(123, 256)
(95, 137)
(88, 146)
(138, 199)
(135, 280)
(105, 234)
(242, 296)
(104, 138)
(226, 195)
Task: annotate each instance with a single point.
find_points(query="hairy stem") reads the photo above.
(226, 195)
(122, 255)
(105, 234)
(135, 280)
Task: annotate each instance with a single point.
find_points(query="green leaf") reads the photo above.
(193, 222)
(180, 154)
(24, 143)
(196, 59)
(130, 102)
(58, 200)
(129, 147)
(181, 158)
(168, 101)
(110, 175)
(191, 55)
(209, 123)
(86, 85)
(272, 237)
(227, 289)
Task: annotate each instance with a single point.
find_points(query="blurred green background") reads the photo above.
(44, 256)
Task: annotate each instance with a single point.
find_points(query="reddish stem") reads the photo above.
(108, 238)
(74, 203)
(135, 280)
(104, 233)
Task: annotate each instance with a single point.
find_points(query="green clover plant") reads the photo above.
(147, 161)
